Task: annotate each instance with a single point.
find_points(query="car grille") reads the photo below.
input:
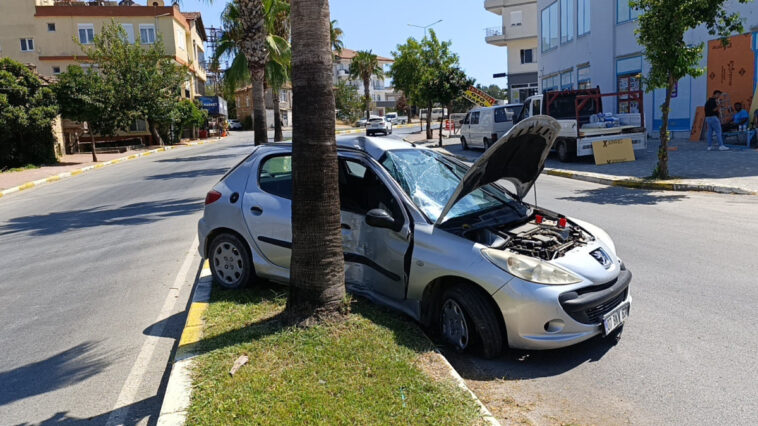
(595, 314)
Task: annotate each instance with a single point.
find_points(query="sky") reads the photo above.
(381, 25)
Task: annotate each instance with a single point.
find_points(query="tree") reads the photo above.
(363, 67)
(494, 90)
(317, 275)
(662, 25)
(347, 101)
(402, 106)
(252, 19)
(335, 37)
(27, 110)
(189, 114)
(147, 82)
(406, 70)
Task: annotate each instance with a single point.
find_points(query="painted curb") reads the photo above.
(483, 411)
(76, 172)
(176, 399)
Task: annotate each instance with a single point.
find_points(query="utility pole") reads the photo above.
(425, 27)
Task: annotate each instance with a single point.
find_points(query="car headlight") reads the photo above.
(530, 269)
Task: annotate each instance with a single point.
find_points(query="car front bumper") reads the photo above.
(550, 317)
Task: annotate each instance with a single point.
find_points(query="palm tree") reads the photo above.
(252, 20)
(317, 276)
(364, 65)
(335, 36)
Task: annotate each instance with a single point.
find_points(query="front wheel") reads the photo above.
(486, 144)
(231, 263)
(564, 153)
(469, 323)
(464, 144)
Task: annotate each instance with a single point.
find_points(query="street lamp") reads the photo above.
(425, 26)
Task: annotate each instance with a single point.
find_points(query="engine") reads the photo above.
(541, 237)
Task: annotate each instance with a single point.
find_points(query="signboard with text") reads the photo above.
(479, 97)
(614, 151)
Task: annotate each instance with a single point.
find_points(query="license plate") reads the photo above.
(613, 319)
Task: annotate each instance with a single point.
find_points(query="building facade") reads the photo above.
(244, 105)
(379, 93)
(591, 43)
(518, 34)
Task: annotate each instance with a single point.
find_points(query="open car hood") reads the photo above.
(517, 157)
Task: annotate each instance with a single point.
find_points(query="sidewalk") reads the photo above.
(697, 169)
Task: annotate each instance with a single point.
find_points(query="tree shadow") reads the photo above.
(64, 369)
(197, 158)
(131, 214)
(189, 174)
(623, 196)
(137, 412)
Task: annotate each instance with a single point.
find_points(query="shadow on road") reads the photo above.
(130, 214)
(197, 158)
(138, 411)
(623, 196)
(59, 371)
(189, 174)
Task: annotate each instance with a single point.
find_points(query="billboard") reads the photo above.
(215, 105)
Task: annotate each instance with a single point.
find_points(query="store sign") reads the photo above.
(479, 97)
(611, 152)
(215, 105)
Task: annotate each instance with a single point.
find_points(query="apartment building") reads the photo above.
(42, 32)
(244, 105)
(518, 34)
(591, 43)
(379, 93)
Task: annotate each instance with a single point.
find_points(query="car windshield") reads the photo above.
(430, 180)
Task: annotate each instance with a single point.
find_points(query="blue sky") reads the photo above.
(382, 25)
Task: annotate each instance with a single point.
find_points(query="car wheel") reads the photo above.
(564, 153)
(468, 322)
(486, 144)
(464, 144)
(368, 134)
(231, 263)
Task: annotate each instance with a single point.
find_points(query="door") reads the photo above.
(374, 257)
(466, 128)
(267, 208)
(475, 129)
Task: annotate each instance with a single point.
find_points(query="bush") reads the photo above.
(247, 123)
(27, 111)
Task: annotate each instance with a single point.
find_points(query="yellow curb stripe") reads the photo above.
(1, 194)
(193, 329)
(26, 186)
(53, 179)
(207, 264)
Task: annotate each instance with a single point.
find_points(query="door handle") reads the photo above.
(345, 226)
(256, 210)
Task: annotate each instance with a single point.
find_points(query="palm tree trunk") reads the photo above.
(367, 98)
(253, 46)
(317, 275)
(154, 132)
(662, 169)
(429, 134)
(278, 135)
(259, 106)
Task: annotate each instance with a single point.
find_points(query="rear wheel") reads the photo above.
(231, 263)
(469, 323)
(486, 143)
(464, 144)
(564, 152)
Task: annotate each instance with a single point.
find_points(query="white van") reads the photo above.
(484, 126)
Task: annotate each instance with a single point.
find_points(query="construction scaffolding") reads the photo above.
(214, 75)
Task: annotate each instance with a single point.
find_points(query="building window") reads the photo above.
(517, 18)
(147, 33)
(583, 78)
(550, 27)
(566, 83)
(624, 12)
(86, 33)
(129, 29)
(527, 56)
(551, 83)
(567, 20)
(628, 79)
(180, 39)
(56, 70)
(283, 96)
(27, 45)
(51, 27)
(582, 17)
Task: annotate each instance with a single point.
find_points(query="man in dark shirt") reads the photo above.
(713, 122)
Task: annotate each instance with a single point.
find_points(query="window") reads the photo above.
(517, 18)
(583, 78)
(56, 70)
(582, 17)
(129, 29)
(625, 13)
(275, 176)
(180, 39)
(86, 33)
(51, 27)
(567, 20)
(475, 117)
(550, 27)
(147, 33)
(283, 96)
(536, 107)
(362, 190)
(501, 115)
(527, 56)
(551, 83)
(27, 45)
(566, 83)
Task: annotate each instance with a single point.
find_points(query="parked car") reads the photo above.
(235, 125)
(378, 125)
(482, 127)
(437, 240)
(437, 113)
(393, 118)
(364, 121)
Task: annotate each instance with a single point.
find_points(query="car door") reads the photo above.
(476, 131)
(267, 207)
(374, 256)
(466, 127)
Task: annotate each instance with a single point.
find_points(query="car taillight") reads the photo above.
(212, 197)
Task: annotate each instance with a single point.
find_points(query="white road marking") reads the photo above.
(134, 380)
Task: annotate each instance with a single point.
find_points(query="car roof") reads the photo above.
(374, 147)
(497, 106)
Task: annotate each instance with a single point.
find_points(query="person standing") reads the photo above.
(713, 122)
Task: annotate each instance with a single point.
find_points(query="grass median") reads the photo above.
(376, 367)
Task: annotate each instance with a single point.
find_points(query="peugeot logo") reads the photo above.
(602, 258)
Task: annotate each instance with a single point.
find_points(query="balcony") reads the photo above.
(495, 36)
(496, 6)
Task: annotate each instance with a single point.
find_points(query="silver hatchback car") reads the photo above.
(436, 239)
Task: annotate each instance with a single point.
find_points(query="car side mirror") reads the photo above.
(380, 218)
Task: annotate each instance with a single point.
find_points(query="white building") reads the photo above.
(377, 90)
(591, 43)
(518, 34)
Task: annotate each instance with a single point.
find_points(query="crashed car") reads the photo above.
(438, 240)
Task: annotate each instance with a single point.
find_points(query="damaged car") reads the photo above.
(443, 242)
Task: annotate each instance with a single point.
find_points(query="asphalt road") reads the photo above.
(688, 354)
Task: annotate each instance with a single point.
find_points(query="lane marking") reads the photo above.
(133, 381)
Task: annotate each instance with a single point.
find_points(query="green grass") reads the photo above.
(365, 370)
(20, 169)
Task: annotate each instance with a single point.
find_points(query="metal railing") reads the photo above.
(494, 32)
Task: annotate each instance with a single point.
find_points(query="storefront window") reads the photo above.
(629, 79)
(583, 79)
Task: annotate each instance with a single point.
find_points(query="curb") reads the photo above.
(483, 411)
(176, 399)
(76, 172)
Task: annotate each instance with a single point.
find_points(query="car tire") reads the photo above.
(464, 144)
(486, 144)
(231, 262)
(369, 134)
(468, 322)
(564, 152)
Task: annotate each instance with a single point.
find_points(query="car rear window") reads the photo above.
(375, 120)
